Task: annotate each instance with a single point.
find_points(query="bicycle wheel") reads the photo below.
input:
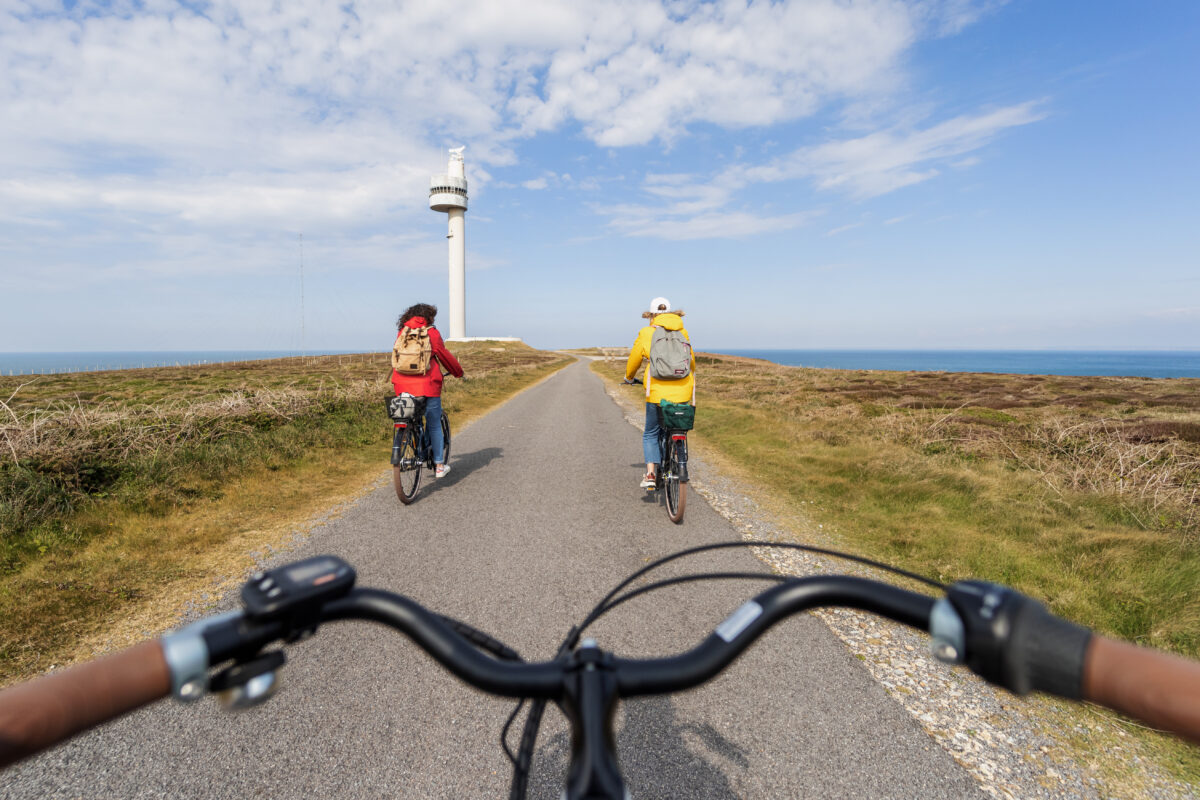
(674, 491)
(446, 437)
(406, 476)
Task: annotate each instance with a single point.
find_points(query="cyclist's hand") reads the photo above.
(49, 709)
(1013, 641)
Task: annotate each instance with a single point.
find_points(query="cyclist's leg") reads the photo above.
(433, 428)
(651, 448)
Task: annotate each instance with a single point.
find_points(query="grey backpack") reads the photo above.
(670, 355)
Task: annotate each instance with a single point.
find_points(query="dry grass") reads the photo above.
(126, 492)
(1079, 491)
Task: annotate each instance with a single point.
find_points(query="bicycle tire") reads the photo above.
(674, 492)
(406, 477)
(446, 438)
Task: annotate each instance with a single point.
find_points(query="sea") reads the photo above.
(1140, 363)
(54, 363)
(1133, 363)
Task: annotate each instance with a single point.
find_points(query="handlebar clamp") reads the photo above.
(187, 655)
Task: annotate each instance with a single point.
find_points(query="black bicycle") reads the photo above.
(671, 477)
(1003, 636)
(412, 449)
(672, 474)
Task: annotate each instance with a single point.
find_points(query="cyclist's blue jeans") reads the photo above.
(650, 437)
(433, 428)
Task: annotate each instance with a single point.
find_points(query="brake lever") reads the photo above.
(248, 683)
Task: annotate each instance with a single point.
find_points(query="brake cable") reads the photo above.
(524, 758)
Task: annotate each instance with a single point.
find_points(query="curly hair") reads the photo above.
(419, 310)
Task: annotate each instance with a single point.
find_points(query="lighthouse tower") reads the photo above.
(448, 193)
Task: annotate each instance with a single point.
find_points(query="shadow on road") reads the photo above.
(461, 466)
(661, 756)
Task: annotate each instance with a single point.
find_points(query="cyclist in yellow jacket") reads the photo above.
(679, 390)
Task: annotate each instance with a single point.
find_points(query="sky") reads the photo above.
(918, 174)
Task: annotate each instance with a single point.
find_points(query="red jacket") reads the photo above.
(429, 384)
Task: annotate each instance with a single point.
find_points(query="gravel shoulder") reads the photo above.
(1013, 747)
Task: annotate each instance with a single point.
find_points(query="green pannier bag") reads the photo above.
(676, 416)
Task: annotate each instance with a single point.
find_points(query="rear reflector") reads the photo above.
(679, 437)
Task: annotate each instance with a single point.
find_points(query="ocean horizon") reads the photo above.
(1110, 363)
(1131, 363)
(53, 363)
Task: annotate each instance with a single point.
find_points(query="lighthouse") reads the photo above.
(448, 194)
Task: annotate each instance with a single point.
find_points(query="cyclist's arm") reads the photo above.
(444, 356)
(1157, 688)
(54, 707)
(637, 354)
(693, 352)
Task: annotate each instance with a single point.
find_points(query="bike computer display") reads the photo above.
(283, 591)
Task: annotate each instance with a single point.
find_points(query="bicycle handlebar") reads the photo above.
(1001, 635)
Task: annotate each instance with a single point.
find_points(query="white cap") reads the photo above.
(660, 305)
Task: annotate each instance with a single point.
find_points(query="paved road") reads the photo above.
(540, 516)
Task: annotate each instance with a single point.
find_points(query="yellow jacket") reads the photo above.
(682, 390)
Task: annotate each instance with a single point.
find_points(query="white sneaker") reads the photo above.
(648, 481)
(441, 470)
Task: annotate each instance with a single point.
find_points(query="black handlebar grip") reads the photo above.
(1013, 641)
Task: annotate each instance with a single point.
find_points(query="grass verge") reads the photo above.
(195, 473)
(1079, 491)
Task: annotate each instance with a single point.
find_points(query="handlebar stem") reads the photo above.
(589, 701)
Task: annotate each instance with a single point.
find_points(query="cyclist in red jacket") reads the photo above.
(429, 385)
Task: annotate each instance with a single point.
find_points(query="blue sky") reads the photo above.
(883, 174)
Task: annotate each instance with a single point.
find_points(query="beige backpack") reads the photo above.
(412, 352)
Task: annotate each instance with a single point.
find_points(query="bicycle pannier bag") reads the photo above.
(676, 416)
(404, 406)
(670, 355)
(412, 352)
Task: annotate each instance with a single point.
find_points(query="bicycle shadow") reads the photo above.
(461, 467)
(661, 756)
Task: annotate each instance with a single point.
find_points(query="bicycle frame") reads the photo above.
(673, 446)
(672, 474)
(414, 427)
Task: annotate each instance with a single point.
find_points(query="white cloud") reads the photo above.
(884, 161)
(643, 74)
(233, 116)
(660, 223)
(692, 206)
(1175, 313)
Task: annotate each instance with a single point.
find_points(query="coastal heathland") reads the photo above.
(1082, 491)
(124, 495)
